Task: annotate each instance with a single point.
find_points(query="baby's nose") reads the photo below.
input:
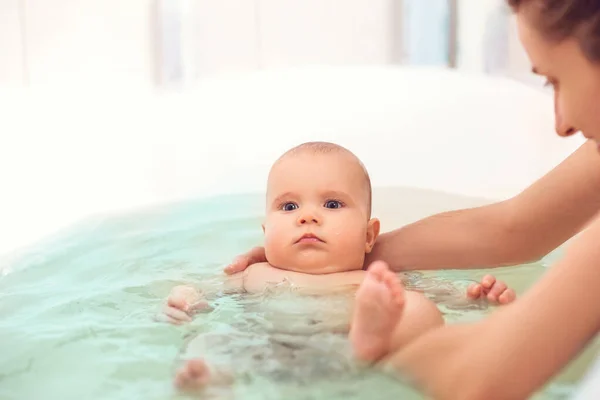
(308, 219)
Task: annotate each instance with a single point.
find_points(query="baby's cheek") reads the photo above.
(272, 238)
(350, 250)
(274, 246)
(351, 231)
(351, 240)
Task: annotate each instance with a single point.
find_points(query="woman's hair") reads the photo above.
(562, 19)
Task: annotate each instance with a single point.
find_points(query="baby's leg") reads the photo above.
(386, 316)
(195, 372)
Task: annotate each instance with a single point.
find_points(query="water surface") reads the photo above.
(78, 310)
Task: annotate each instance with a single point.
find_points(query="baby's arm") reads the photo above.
(182, 302)
(185, 300)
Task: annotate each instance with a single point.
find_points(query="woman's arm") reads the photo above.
(521, 229)
(521, 346)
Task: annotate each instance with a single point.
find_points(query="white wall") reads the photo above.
(118, 43)
(89, 42)
(12, 68)
(332, 32)
(121, 43)
(220, 37)
(473, 16)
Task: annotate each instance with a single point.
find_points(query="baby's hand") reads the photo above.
(181, 304)
(495, 291)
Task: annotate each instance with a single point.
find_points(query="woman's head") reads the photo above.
(562, 40)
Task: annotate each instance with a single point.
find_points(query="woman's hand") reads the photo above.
(241, 262)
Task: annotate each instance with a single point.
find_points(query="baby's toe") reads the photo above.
(474, 290)
(488, 281)
(507, 297)
(378, 270)
(498, 288)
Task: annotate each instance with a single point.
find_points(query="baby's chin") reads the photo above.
(316, 268)
(313, 261)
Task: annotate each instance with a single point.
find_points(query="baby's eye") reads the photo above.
(333, 204)
(289, 206)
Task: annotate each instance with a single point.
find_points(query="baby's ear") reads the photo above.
(372, 233)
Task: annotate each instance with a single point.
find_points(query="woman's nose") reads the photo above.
(564, 130)
(562, 126)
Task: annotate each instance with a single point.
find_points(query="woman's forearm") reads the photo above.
(471, 238)
(514, 231)
(518, 348)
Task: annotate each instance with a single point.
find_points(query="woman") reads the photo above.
(521, 346)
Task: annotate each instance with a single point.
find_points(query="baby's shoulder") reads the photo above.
(257, 276)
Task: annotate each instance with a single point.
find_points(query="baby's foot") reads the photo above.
(494, 291)
(194, 375)
(378, 307)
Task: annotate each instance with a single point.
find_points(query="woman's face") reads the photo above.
(575, 80)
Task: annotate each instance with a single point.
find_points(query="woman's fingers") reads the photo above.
(243, 261)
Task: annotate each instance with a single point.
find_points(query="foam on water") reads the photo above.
(79, 309)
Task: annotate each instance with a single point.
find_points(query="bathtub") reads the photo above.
(70, 154)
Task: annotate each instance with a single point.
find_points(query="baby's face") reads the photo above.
(317, 216)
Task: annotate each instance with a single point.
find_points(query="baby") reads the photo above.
(317, 230)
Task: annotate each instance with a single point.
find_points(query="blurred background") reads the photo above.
(169, 44)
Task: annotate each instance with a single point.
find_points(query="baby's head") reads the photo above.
(318, 211)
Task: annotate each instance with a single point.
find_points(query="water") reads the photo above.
(78, 311)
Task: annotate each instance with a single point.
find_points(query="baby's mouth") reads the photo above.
(309, 238)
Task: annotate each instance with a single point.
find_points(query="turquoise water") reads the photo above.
(78, 311)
